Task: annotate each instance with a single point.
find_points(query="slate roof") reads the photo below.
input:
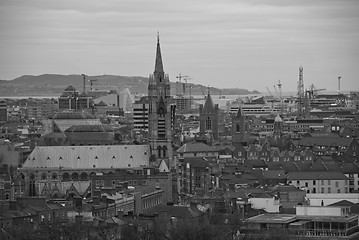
(182, 212)
(73, 115)
(197, 162)
(354, 208)
(316, 176)
(208, 105)
(324, 141)
(88, 157)
(274, 174)
(195, 147)
(90, 128)
(286, 188)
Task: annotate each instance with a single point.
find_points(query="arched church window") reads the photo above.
(159, 149)
(164, 151)
(208, 124)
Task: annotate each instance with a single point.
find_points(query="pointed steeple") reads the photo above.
(158, 64)
(239, 112)
(208, 105)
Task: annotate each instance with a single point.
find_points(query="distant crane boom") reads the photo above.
(178, 83)
(275, 89)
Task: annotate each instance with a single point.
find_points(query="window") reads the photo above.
(306, 184)
(328, 189)
(208, 124)
(314, 190)
(328, 182)
(338, 191)
(298, 182)
(336, 184)
(322, 190)
(314, 182)
(322, 182)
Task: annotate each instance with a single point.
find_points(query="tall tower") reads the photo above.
(300, 95)
(240, 128)
(159, 116)
(208, 118)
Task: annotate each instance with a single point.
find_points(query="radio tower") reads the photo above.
(300, 96)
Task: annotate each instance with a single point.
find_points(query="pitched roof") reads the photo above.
(70, 88)
(90, 128)
(325, 141)
(208, 105)
(316, 176)
(197, 162)
(274, 174)
(195, 147)
(73, 115)
(354, 208)
(182, 212)
(88, 157)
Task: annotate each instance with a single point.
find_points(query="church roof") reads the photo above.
(88, 157)
(195, 147)
(73, 115)
(208, 105)
(90, 128)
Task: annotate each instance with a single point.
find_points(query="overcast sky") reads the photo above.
(247, 44)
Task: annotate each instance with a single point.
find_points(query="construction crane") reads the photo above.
(179, 77)
(270, 94)
(280, 90)
(185, 85)
(275, 89)
(91, 83)
(313, 91)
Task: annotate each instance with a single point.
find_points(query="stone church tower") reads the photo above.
(240, 128)
(208, 118)
(159, 117)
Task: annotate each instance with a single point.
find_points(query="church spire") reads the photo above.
(158, 64)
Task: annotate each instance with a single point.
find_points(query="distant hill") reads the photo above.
(54, 84)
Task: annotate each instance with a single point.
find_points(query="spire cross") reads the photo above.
(158, 37)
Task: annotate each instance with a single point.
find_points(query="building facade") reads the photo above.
(160, 112)
(208, 118)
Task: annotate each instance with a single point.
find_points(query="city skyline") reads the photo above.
(227, 44)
